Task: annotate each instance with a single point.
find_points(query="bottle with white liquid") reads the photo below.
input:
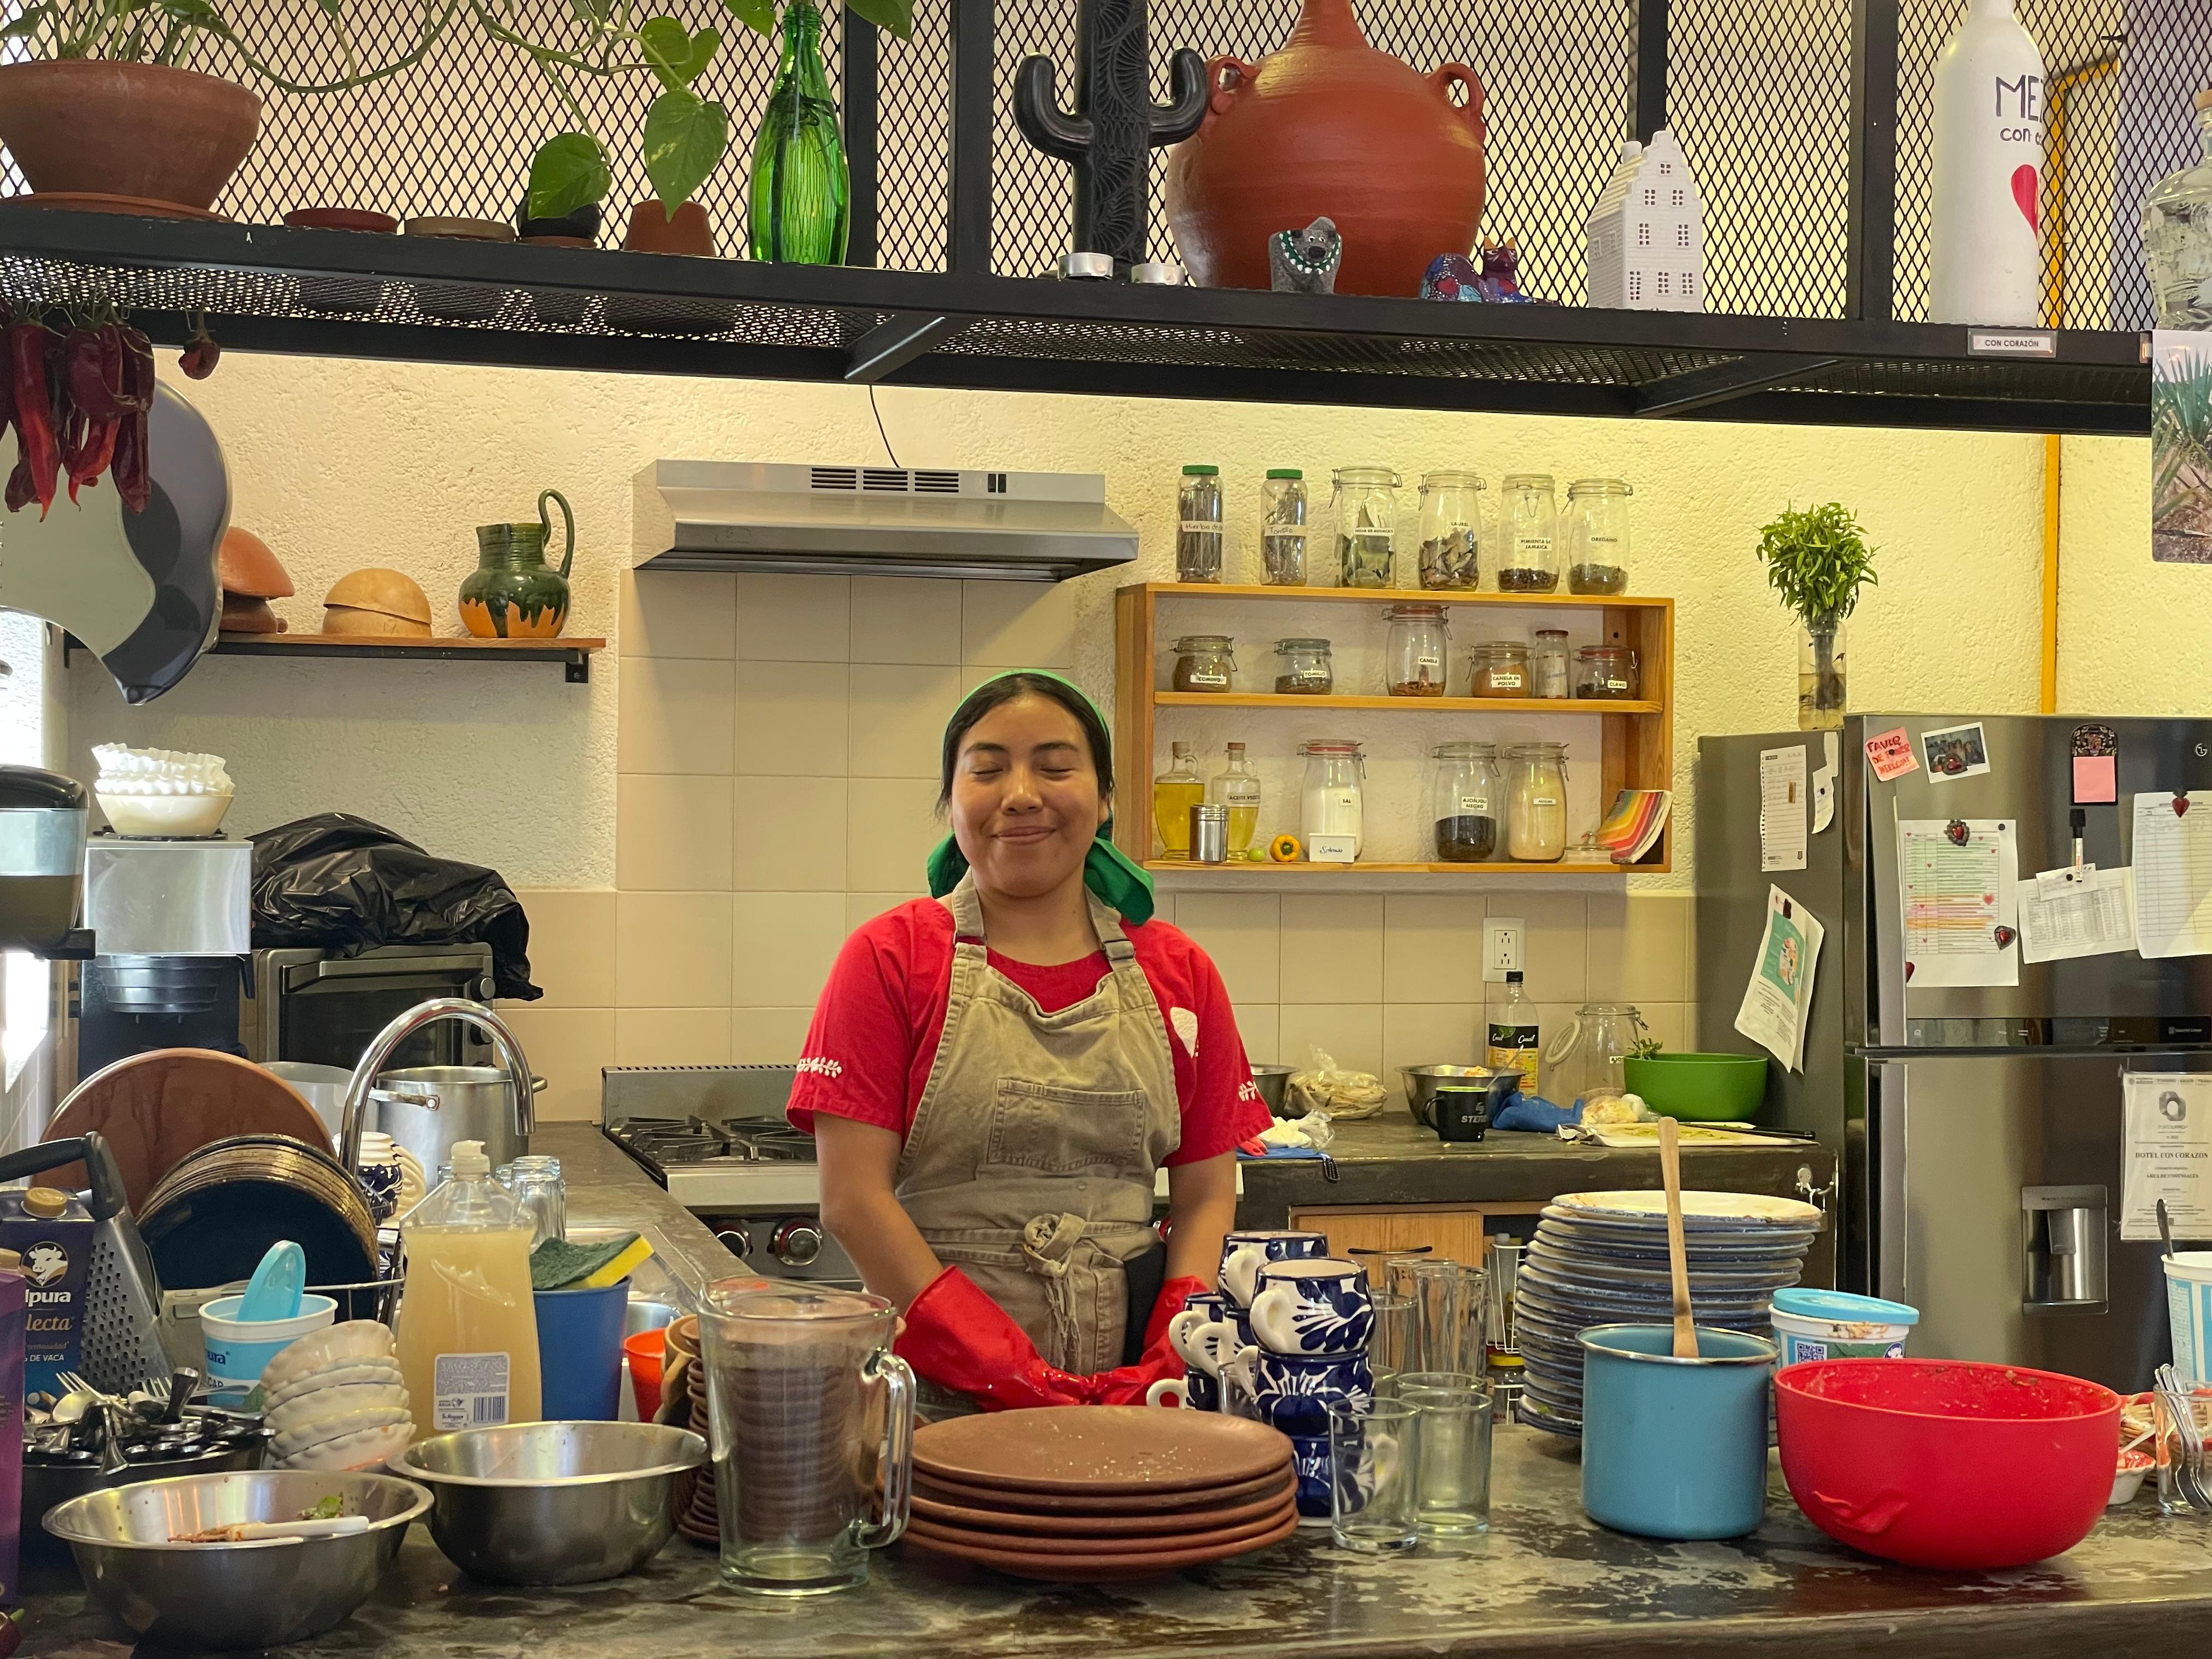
(1987, 244)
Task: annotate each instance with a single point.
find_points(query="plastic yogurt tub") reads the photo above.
(1837, 1325)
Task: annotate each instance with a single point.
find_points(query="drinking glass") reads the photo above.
(812, 1420)
(1449, 1301)
(1451, 1438)
(1392, 1344)
(1373, 1461)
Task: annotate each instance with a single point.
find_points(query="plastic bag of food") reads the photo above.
(1614, 1107)
(1327, 1087)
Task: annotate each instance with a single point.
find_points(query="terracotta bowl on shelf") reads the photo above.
(341, 218)
(385, 591)
(94, 127)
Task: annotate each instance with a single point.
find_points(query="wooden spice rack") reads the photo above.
(1638, 750)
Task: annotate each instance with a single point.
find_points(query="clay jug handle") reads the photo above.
(567, 523)
(1222, 93)
(1441, 78)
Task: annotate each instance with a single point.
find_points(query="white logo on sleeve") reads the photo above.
(820, 1066)
(1186, 1027)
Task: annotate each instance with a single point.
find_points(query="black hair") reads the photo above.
(1008, 688)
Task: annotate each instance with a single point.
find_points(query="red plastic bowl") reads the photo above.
(1947, 1463)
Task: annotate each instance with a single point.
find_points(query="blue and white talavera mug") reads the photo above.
(1203, 1340)
(1309, 1454)
(1313, 1307)
(1243, 1254)
(1295, 1395)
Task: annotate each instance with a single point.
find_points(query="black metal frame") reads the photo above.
(575, 661)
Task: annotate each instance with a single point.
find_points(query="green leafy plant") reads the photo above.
(1818, 561)
(1646, 1046)
(2181, 453)
(569, 173)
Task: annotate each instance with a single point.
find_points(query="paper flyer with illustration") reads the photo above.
(1779, 998)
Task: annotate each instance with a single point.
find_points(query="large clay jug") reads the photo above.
(1329, 126)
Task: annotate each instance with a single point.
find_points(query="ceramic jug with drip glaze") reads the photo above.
(512, 593)
(1329, 126)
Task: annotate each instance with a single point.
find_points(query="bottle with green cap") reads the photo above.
(1198, 526)
(1283, 528)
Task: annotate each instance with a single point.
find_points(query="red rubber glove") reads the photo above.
(1128, 1385)
(957, 1337)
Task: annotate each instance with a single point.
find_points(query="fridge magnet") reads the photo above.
(2181, 447)
(1955, 752)
(2096, 766)
(2005, 936)
(1890, 754)
(1956, 832)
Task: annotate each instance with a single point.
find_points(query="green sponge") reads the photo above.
(556, 1265)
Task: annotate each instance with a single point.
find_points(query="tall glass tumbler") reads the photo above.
(1393, 1343)
(1449, 1300)
(812, 1420)
(1373, 1466)
(1451, 1434)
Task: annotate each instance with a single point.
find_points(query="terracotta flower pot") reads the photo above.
(653, 229)
(136, 130)
(1329, 126)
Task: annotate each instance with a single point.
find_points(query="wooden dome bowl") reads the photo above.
(245, 565)
(393, 592)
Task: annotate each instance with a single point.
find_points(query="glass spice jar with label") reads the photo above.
(1529, 558)
(1606, 673)
(1205, 662)
(1536, 802)
(1466, 801)
(1499, 668)
(1547, 663)
(1416, 651)
(1283, 528)
(1366, 509)
(1451, 530)
(1597, 535)
(1303, 668)
(1198, 526)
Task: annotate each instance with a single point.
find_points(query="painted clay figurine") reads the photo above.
(1452, 277)
(1305, 261)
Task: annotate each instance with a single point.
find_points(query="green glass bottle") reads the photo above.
(802, 193)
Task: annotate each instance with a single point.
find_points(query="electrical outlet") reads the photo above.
(1501, 947)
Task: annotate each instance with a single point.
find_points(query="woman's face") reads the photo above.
(1025, 803)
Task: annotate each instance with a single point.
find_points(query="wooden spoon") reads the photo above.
(1678, 1258)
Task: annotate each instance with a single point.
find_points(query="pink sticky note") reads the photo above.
(2096, 780)
(1890, 754)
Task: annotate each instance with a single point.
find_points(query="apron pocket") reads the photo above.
(1036, 1126)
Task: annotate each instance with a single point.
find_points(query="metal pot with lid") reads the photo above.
(430, 1109)
(42, 833)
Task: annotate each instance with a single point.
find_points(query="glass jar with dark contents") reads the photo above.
(1529, 555)
(1597, 535)
(1303, 668)
(1606, 672)
(1466, 799)
(1205, 662)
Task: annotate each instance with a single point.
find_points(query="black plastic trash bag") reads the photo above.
(344, 884)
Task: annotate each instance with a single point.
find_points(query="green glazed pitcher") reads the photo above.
(512, 593)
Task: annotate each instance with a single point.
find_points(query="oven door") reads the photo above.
(325, 1011)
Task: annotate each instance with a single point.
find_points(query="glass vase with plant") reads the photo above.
(1818, 560)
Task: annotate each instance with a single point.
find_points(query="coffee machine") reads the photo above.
(171, 922)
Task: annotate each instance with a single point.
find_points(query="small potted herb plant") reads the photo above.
(1818, 561)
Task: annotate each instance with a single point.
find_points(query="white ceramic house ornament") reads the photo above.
(1647, 233)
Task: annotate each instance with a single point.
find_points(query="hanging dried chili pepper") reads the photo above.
(201, 352)
(40, 449)
(133, 476)
(94, 358)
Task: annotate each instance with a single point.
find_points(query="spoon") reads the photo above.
(2165, 1227)
(1678, 1258)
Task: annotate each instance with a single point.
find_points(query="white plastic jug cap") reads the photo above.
(470, 1162)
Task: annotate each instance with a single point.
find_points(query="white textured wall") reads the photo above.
(343, 464)
(2132, 633)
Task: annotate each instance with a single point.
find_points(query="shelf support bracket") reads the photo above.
(890, 347)
(1720, 383)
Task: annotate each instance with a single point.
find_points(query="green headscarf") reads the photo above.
(1108, 871)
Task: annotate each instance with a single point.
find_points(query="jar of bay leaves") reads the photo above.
(1365, 501)
(1451, 530)
(1466, 801)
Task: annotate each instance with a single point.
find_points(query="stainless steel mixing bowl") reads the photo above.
(552, 1503)
(1421, 1087)
(256, 1594)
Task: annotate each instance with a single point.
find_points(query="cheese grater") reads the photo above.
(122, 1344)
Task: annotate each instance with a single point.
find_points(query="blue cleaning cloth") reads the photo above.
(1535, 1114)
(1282, 1152)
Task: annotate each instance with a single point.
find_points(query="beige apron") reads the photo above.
(1032, 1160)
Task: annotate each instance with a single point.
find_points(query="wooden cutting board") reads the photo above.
(156, 1108)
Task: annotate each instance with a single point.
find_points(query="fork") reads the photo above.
(2186, 1470)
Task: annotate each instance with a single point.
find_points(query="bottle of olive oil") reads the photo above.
(1175, 792)
(1514, 1040)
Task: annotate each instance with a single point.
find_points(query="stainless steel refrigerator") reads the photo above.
(1978, 1128)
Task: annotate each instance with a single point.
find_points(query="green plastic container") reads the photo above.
(1700, 1088)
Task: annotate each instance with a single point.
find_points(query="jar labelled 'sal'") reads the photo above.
(1597, 535)
(1499, 668)
(1283, 527)
(1451, 530)
(1198, 526)
(1205, 662)
(1303, 668)
(1547, 663)
(1606, 672)
(1528, 557)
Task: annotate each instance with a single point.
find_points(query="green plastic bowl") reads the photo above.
(1700, 1088)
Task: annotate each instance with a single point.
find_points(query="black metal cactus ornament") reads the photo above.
(1116, 125)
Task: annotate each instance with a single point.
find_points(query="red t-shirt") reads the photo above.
(874, 1036)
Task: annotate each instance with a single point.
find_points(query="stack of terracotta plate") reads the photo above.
(1094, 1494)
(697, 1517)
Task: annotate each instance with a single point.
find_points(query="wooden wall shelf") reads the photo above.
(1637, 744)
(573, 654)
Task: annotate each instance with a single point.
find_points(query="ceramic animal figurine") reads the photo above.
(1500, 281)
(512, 593)
(1452, 277)
(1305, 261)
(1110, 138)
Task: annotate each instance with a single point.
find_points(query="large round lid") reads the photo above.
(29, 788)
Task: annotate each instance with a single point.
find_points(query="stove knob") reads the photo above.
(796, 1243)
(736, 1240)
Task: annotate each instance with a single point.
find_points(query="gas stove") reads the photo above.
(714, 1136)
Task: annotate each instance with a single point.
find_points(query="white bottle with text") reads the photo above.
(1985, 237)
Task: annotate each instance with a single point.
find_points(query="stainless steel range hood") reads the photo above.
(876, 521)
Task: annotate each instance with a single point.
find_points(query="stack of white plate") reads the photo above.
(1600, 1259)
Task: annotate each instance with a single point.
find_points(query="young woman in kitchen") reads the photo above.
(995, 1075)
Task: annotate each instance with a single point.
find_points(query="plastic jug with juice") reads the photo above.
(468, 1324)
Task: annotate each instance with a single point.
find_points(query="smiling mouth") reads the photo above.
(1026, 834)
